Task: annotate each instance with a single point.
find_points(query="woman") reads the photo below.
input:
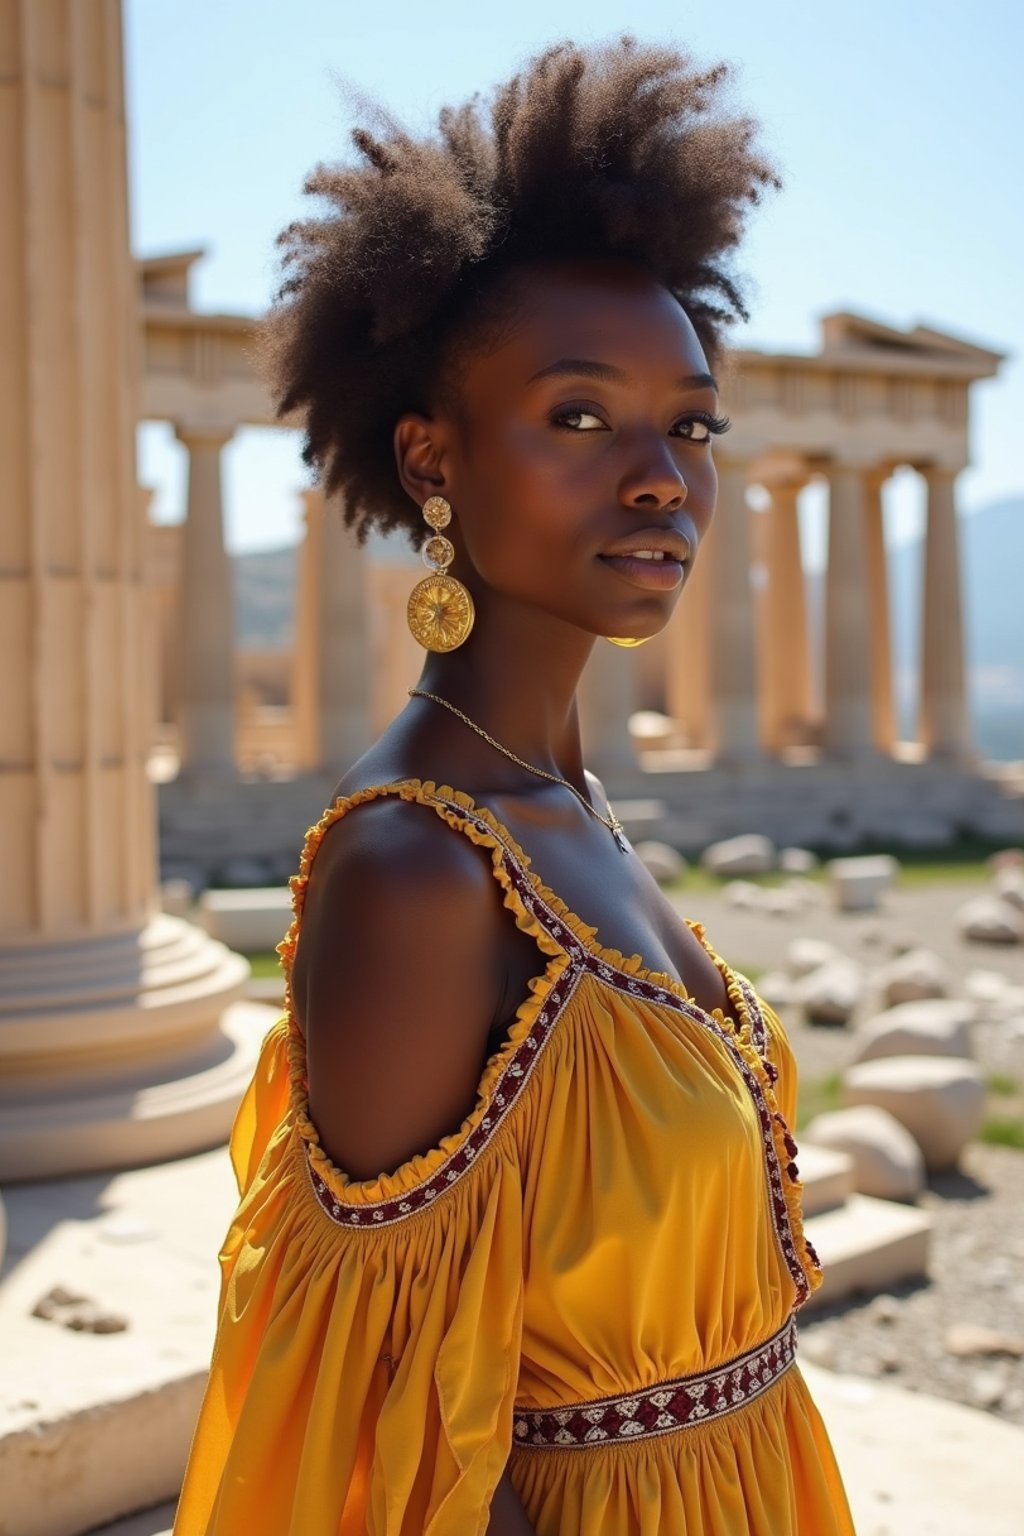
(519, 1244)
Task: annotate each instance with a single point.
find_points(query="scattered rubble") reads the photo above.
(936, 1026)
(887, 1161)
(940, 1100)
(71, 1310)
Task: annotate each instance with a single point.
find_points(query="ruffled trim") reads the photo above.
(784, 1182)
(574, 948)
(417, 1182)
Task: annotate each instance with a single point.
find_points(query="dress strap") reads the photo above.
(392, 1198)
(510, 864)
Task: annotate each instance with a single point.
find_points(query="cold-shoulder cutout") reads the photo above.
(425, 1175)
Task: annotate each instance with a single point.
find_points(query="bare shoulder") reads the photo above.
(395, 982)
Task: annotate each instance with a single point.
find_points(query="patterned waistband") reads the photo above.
(676, 1404)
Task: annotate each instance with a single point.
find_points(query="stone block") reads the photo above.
(887, 1161)
(661, 860)
(986, 987)
(1009, 886)
(826, 1176)
(1006, 858)
(918, 973)
(798, 861)
(806, 955)
(750, 854)
(858, 883)
(990, 920)
(782, 902)
(832, 993)
(252, 922)
(940, 1100)
(777, 989)
(935, 1026)
(868, 1245)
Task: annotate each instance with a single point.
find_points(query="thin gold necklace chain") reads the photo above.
(611, 821)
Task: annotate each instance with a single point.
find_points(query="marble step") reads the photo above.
(868, 1245)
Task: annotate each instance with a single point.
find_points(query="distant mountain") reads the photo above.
(264, 594)
(992, 552)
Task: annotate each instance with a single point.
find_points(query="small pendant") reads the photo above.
(618, 833)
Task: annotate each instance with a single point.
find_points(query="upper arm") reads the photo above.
(395, 984)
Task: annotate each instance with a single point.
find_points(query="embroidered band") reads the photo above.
(657, 1410)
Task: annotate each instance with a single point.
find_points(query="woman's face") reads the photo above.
(583, 440)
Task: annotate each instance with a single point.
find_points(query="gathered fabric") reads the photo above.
(591, 1282)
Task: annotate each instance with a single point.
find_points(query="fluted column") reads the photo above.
(111, 1050)
(344, 688)
(782, 634)
(206, 639)
(733, 669)
(882, 714)
(943, 718)
(75, 802)
(848, 693)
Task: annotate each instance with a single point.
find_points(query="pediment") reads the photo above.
(847, 332)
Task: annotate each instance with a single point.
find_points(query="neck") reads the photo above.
(516, 676)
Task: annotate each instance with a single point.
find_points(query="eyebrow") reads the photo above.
(588, 368)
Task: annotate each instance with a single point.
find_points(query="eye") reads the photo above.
(577, 418)
(700, 427)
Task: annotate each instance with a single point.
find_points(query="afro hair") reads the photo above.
(621, 152)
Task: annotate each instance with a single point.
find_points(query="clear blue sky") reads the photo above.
(898, 127)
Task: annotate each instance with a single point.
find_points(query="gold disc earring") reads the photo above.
(642, 641)
(440, 611)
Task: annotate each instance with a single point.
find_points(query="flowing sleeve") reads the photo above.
(367, 1353)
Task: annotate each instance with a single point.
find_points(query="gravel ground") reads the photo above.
(976, 1282)
(924, 1335)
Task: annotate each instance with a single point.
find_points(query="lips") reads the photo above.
(648, 543)
(657, 573)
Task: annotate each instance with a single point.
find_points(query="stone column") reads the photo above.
(943, 728)
(206, 712)
(783, 639)
(332, 686)
(111, 1045)
(848, 693)
(606, 698)
(733, 667)
(305, 685)
(882, 714)
(688, 668)
(344, 694)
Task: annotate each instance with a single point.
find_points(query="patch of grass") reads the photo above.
(818, 1095)
(964, 860)
(265, 964)
(1003, 1083)
(1001, 1131)
(975, 872)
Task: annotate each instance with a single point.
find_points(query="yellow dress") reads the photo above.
(593, 1279)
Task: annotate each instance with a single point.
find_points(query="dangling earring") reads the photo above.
(642, 641)
(440, 611)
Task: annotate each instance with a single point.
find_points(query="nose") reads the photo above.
(654, 480)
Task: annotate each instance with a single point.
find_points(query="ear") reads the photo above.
(421, 456)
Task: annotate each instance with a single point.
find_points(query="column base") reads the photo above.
(125, 1050)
